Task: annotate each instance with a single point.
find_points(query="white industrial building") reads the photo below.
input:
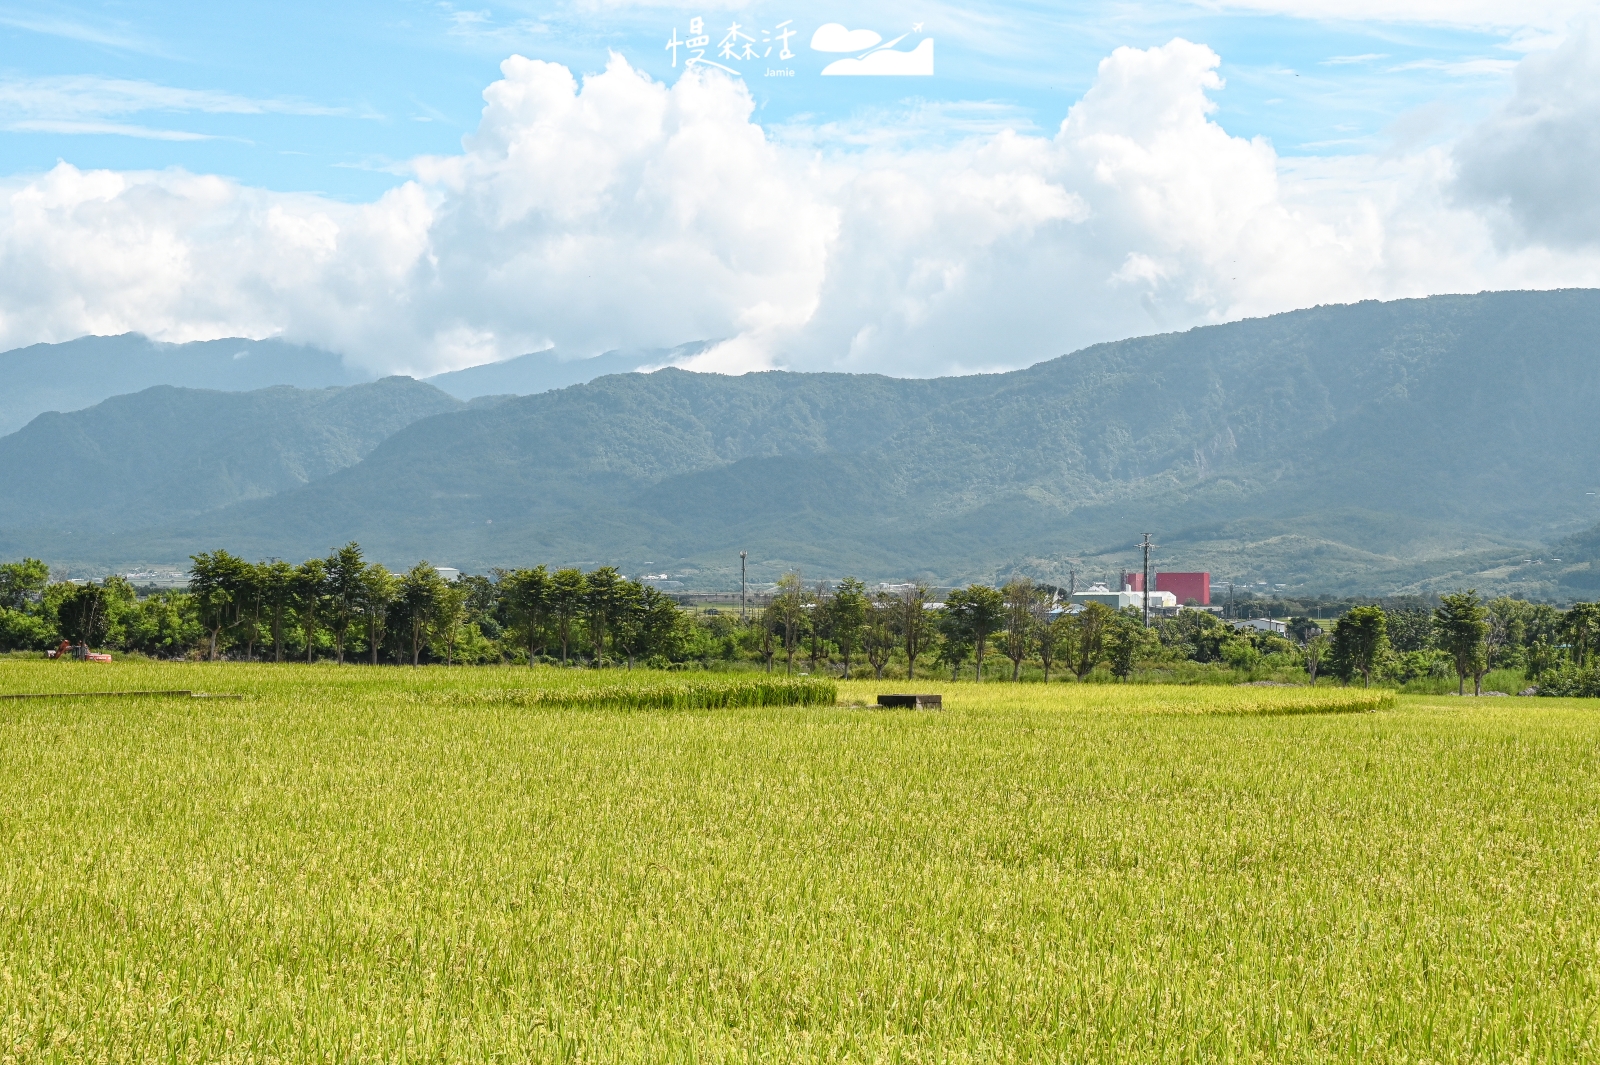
(1099, 593)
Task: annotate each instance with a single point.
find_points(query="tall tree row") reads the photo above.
(343, 608)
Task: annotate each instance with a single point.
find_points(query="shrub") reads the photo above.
(1568, 680)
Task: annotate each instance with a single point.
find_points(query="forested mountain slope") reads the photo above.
(81, 372)
(1419, 443)
(167, 453)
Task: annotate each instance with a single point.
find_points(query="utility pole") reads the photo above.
(1146, 588)
(1230, 600)
(743, 584)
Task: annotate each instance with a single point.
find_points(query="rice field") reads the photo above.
(356, 864)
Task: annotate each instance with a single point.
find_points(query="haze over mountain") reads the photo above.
(541, 371)
(73, 375)
(76, 374)
(167, 453)
(1418, 444)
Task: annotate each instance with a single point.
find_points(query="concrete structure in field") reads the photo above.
(1185, 586)
(1099, 593)
(1280, 628)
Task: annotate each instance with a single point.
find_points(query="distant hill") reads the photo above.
(1411, 445)
(542, 371)
(73, 375)
(167, 453)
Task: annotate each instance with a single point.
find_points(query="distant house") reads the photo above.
(1280, 628)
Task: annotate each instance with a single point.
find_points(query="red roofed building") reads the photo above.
(1184, 586)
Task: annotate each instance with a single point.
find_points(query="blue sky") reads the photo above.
(334, 98)
(423, 186)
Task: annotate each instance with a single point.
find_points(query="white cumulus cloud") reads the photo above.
(1535, 164)
(617, 211)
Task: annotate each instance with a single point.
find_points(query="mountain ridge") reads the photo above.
(166, 452)
(79, 373)
(1408, 444)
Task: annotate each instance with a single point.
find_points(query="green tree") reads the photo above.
(627, 630)
(1020, 596)
(879, 637)
(847, 615)
(276, 579)
(482, 608)
(1360, 639)
(525, 595)
(249, 598)
(379, 589)
(1088, 638)
(568, 594)
(1582, 630)
(768, 625)
(22, 583)
(1127, 641)
(449, 613)
(1462, 626)
(603, 602)
(649, 624)
(1054, 637)
(981, 610)
(1301, 630)
(214, 580)
(1052, 630)
(788, 609)
(1508, 629)
(1315, 652)
(308, 593)
(84, 614)
(420, 591)
(164, 624)
(1196, 635)
(1542, 635)
(1410, 630)
(817, 602)
(344, 571)
(954, 643)
(912, 625)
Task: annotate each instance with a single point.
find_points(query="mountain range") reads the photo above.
(1413, 445)
(168, 453)
(78, 373)
(70, 376)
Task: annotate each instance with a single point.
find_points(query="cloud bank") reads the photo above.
(620, 212)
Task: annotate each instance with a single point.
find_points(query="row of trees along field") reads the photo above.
(345, 608)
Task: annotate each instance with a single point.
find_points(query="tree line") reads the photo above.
(1466, 636)
(1021, 626)
(1021, 623)
(344, 608)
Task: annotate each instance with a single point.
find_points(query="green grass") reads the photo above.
(396, 865)
(1509, 681)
